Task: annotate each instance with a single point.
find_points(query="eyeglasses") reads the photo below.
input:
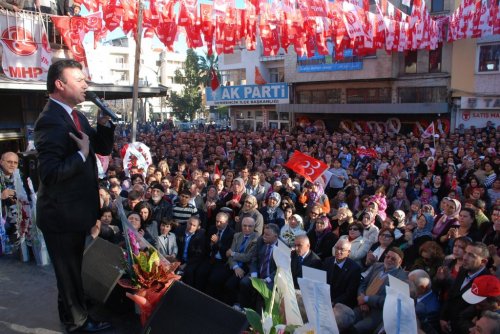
(353, 229)
(386, 235)
(314, 214)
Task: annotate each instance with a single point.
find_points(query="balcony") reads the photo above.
(278, 57)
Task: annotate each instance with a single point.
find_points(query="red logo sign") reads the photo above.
(466, 115)
(19, 41)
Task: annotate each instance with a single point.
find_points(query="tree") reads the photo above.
(206, 64)
(188, 102)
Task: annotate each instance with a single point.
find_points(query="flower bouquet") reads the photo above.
(149, 274)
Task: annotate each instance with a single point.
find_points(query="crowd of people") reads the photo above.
(424, 211)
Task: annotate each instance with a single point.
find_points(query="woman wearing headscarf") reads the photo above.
(250, 209)
(294, 228)
(272, 212)
(322, 238)
(446, 220)
(417, 237)
(236, 198)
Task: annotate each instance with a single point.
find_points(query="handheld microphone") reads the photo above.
(97, 101)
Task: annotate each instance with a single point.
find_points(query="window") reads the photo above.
(411, 62)
(319, 96)
(435, 59)
(437, 6)
(422, 94)
(369, 95)
(233, 77)
(276, 75)
(488, 58)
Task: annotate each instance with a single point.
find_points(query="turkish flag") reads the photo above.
(307, 166)
(259, 79)
(214, 80)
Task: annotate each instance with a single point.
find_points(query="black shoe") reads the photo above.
(91, 326)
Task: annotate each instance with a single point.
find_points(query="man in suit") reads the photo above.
(262, 265)
(427, 305)
(343, 275)
(192, 251)
(215, 268)
(302, 256)
(371, 292)
(475, 260)
(239, 256)
(68, 195)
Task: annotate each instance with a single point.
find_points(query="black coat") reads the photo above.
(311, 260)
(222, 245)
(196, 251)
(343, 282)
(68, 194)
(322, 246)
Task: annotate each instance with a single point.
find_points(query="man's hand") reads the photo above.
(103, 120)
(229, 253)
(364, 308)
(239, 272)
(94, 231)
(361, 299)
(83, 143)
(214, 238)
(8, 193)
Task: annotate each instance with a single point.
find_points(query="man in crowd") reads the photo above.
(182, 209)
(192, 251)
(371, 292)
(302, 255)
(161, 208)
(428, 306)
(239, 256)
(342, 274)
(8, 164)
(262, 265)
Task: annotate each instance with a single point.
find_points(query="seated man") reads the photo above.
(343, 275)
(427, 306)
(484, 295)
(489, 323)
(262, 265)
(371, 292)
(239, 256)
(215, 269)
(303, 256)
(192, 251)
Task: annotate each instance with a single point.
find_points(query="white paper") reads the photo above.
(399, 313)
(314, 274)
(399, 285)
(318, 305)
(281, 255)
(284, 281)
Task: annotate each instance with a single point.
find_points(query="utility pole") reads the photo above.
(137, 64)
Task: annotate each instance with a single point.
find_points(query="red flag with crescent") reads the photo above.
(307, 166)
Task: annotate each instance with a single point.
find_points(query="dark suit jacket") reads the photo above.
(322, 247)
(311, 260)
(196, 251)
(259, 258)
(428, 310)
(222, 245)
(455, 303)
(236, 210)
(343, 282)
(68, 197)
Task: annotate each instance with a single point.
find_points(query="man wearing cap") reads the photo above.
(371, 292)
(161, 208)
(483, 295)
(474, 265)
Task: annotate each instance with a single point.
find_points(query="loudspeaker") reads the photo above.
(101, 269)
(185, 310)
(28, 166)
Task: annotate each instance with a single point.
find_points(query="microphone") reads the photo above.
(97, 101)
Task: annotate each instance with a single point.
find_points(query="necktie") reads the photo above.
(264, 269)
(242, 248)
(76, 120)
(243, 244)
(301, 259)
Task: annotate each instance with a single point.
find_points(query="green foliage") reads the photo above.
(188, 102)
(254, 320)
(261, 287)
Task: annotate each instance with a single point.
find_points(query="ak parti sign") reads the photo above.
(26, 51)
